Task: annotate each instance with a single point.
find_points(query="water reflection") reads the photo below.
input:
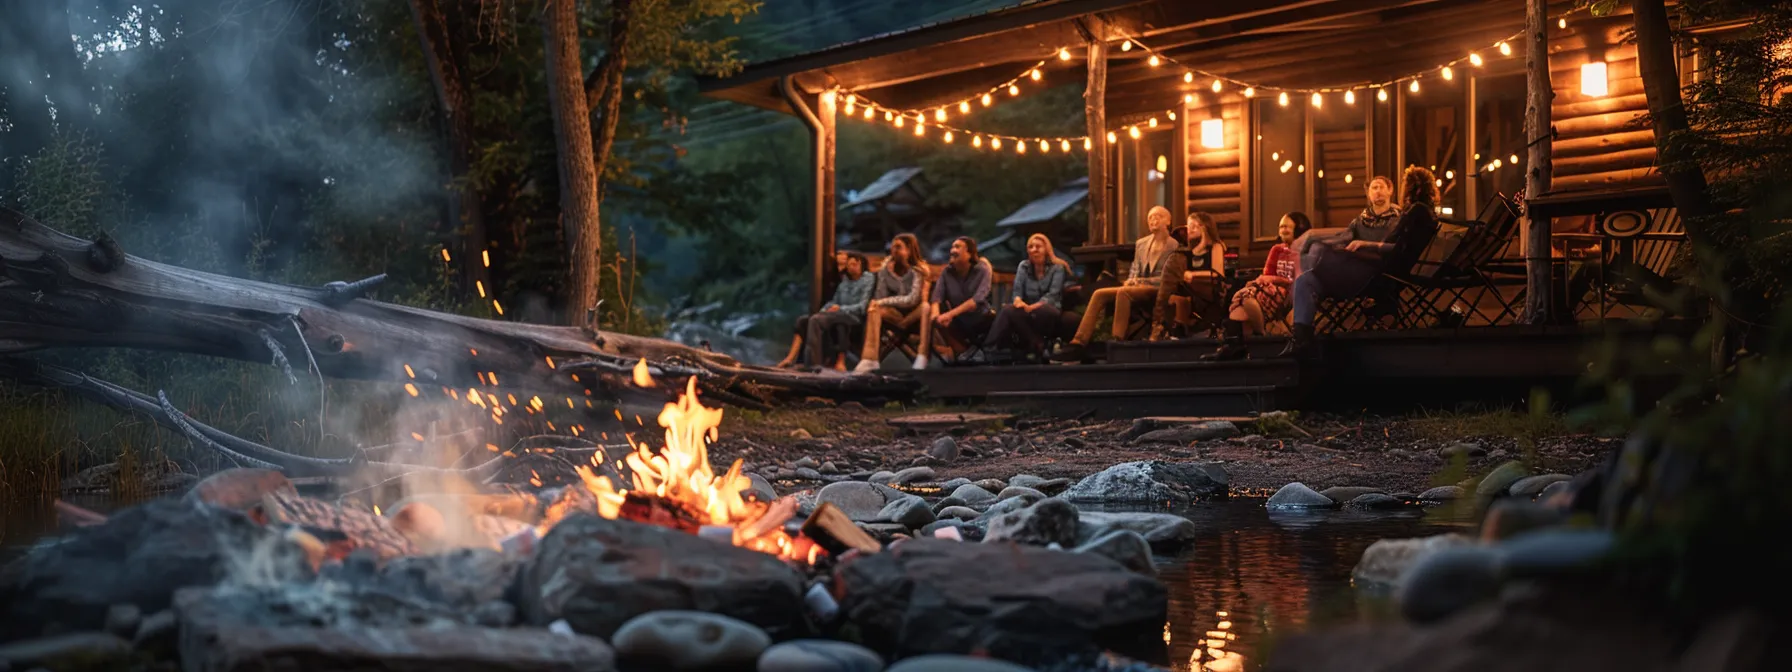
(1254, 575)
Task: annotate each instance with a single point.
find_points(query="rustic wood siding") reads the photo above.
(1214, 177)
(1605, 141)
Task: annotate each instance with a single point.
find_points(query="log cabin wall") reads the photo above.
(1601, 141)
(1216, 177)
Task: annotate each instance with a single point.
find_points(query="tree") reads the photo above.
(443, 53)
(579, 192)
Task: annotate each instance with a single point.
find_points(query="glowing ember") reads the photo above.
(641, 377)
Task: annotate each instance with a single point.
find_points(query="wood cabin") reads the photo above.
(1244, 110)
(896, 202)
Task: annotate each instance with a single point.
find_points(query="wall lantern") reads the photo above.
(1213, 133)
(1592, 79)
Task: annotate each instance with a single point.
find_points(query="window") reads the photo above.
(1499, 137)
(1146, 170)
(1434, 138)
(1340, 161)
(1279, 170)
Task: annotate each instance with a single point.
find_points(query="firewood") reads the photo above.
(836, 533)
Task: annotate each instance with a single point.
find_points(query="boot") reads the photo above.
(1159, 333)
(1232, 345)
(1301, 345)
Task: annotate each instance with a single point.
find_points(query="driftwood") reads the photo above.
(57, 290)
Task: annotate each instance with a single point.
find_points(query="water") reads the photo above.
(1254, 575)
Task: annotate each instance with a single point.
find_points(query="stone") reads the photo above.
(862, 475)
(598, 573)
(972, 495)
(1563, 490)
(1446, 581)
(944, 449)
(1554, 551)
(1013, 491)
(140, 555)
(948, 502)
(913, 475)
(1375, 501)
(65, 651)
(1345, 493)
(239, 489)
(911, 512)
(1442, 493)
(1531, 486)
(829, 469)
(882, 477)
(859, 501)
(1386, 560)
(808, 474)
(819, 655)
(1048, 522)
(688, 640)
(1298, 496)
(1013, 602)
(762, 488)
(992, 484)
(967, 530)
(805, 462)
(222, 631)
(1006, 506)
(1508, 517)
(466, 579)
(951, 663)
(957, 512)
(1496, 482)
(954, 484)
(1125, 547)
(157, 632)
(1461, 449)
(1190, 433)
(1163, 531)
(123, 619)
(1025, 481)
(1151, 481)
(800, 434)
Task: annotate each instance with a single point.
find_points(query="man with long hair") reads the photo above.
(958, 311)
(896, 297)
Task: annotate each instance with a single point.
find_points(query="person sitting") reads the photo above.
(1149, 254)
(845, 311)
(1374, 224)
(1266, 295)
(958, 311)
(1195, 272)
(1038, 299)
(1344, 271)
(896, 297)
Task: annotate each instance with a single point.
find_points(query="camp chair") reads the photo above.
(1379, 305)
(1455, 272)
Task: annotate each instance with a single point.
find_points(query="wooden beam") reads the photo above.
(1538, 170)
(1095, 113)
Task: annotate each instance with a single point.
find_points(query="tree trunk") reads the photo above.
(60, 291)
(1095, 114)
(1539, 96)
(578, 165)
(465, 210)
(605, 99)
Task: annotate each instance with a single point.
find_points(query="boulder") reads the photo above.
(1554, 551)
(1375, 501)
(944, 449)
(1151, 481)
(910, 511)
(1298, 496)
(1344, 493)
(1125, 547)
(1025, 481)
(1447, 581)
(913, 475)
(1442, 493)
(1048, 522)
(819, 655)
(972, 495)
(1508, 517)
(1531, 486)
(139, 556)
(1164, 531)
(859, 501)
(1013, 602)
(689, 640)
(597, 574)
(1385, 561)
(1020, 491)
(1498, 481)
(1559, 494)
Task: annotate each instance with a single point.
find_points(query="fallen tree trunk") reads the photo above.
(57, 290)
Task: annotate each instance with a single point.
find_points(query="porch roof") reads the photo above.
(1279, 43)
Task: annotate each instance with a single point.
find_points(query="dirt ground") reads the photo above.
(1392, 453)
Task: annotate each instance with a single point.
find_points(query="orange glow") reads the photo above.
(550, 361)
(408, 372)
(641, 377)
(412, 389)
(416, 436)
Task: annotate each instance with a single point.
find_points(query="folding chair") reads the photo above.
(1462, 275)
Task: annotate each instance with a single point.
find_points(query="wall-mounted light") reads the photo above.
(1213, 133)
(1592, 79)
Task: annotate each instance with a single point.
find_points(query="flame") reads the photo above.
(641, 377)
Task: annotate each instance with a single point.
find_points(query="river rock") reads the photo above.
(948, 502)
(1014, 602)
(1531, 486)
(991, 484)
(1186, 434)
(468, 579)
(1442, 493)
(688, 640)
(1125, 547)
(1496, 482)
(1164, 531)
(1005, 506)
(972, 495)
(951, 663)
(239, 489)
(910, 511)
(1446, 581)
(1508, 517)
(819, 655)
(139, 556)
(1344, 493)
(1375, 501)
(808, 474)
(859, 501)
(1386, 560)
(1048, 522)
(944, 449)
(1461, 449)
(913, 475)
(1298, 496)
(761, 488)
(1554, 551)
(79, 650)
(1025, 481)
(1019, 491)
(1151, 481)
(882, 477)
(597, 574)
(954, 484)
(1559, 494)
(958, 512)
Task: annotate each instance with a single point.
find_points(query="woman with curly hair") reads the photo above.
(1345, 271)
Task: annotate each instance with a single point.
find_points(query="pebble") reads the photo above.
(1509, 517)
(800, 433)
(941, 662)
(1005, 506)
(805, 461)
(913, 475)
(957, 513)
(819, 655)
(1345, 493)
(859, 501)
(808, 474)
(1442, 493)
(828, 468)
(1013, 491)
(948, 502)
(954, 484)
(1299, 496)
(1125, 547)
(992, 484)
(1496, 482)
(910, 511)
(882, 477)
(863, 475)
(1461, 448)
(689, 640)
(1052, 486)
(1447, 581)
(762, 488)
(1532, 486)
(1375, 501)
(1048, 522)
(971, 494)
(944, 448)
(1554, 551)
(1387, 560)
(1025, 481)
(123, 619)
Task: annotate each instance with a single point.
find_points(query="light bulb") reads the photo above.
(1497, 164)
(1514, 159)
(1171, 114)
(977, 141)
(1381, 95)
(1013, 90)
(1250, 92)
(1562, 23)
(1449, 174)
(1505, 49)
(1321, 173)
(1086, 144)
(1035, 74)
(1188, 98)
(1111, 138)
(1448, 73)
(939, 114)
(1282, 99)
(964, 107)
(850, 99)
(920, 129)
(1275, 156)
(1126, 46)
(1064, 145)
(1188, 78)
(1155, 61)
(1153, 122)
(849, 107)
(889, 116)
(1287, 165)
(1133, 131)
(868, 112)
(1347, 178)
(1413, 87)
(1349, 97)
(1302, 168)
(1318, 100)
(1045, 146)
(995, 143)
(1063, 54)
(1440, 184)
(1474, 59)
(899, 121)
(1217, 85)
(947, 137)
(1020, 147)
(986, 100)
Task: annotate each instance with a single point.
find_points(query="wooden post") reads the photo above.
(1095, 32)
(826, 198)
(1537, 131)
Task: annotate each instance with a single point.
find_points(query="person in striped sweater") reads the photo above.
(895, 297)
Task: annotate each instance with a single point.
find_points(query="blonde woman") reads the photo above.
(895, 298)
(1195, 272)
(1038, 298)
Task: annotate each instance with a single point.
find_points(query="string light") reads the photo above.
(1250, 92)
(1505, 48)
(1414, 87)
(1350, 97)
(939, 114)
(947, 137)
(1112, 138)
(987, 100)
(1474, 59)
(1381, 95)
(1188, 78)
(1318, 100)
(1155, 61)
(1447, 73)
(995, 143)
(1562, 23)
(1134, 132)
(1013, 89)
(1153, 122)
(1035, 74)
(1063, 54)
(1188, 98)
(1126, 45)
(1282, 99)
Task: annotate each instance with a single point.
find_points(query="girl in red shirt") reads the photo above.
(1265, 296)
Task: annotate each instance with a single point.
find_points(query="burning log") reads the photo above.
(117, 300)
(831, 529)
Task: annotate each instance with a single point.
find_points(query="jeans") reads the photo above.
(1024, 325)
(821, 334)
(1329, 273)
(876, 318)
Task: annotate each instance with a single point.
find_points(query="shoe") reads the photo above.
(920, 362)
(1300, 346)
(1232, 345)
(866, 366)
(1159, 333)
(1071, 352)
